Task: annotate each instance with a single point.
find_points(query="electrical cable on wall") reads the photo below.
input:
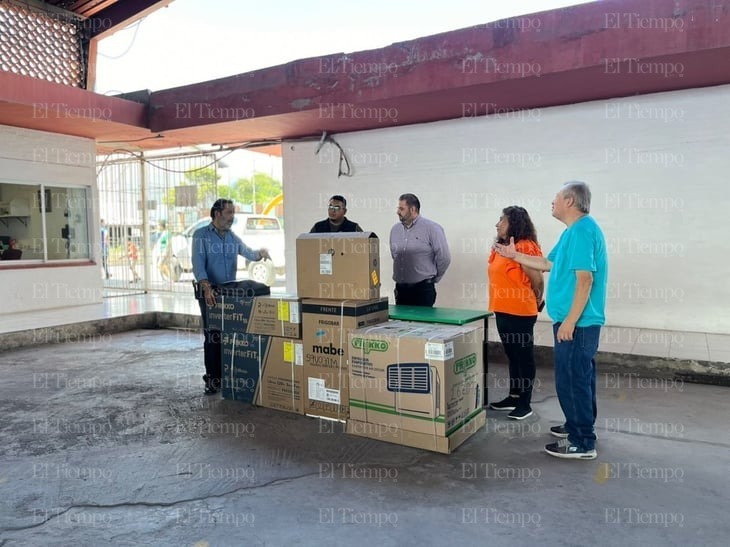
(343, 157)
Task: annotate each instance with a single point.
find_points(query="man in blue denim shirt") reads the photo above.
(215, 261)
(576, 301)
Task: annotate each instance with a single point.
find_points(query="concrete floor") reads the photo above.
(109, 440)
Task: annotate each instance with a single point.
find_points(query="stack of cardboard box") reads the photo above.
(338, 279)
(334, 354)
(262, 359)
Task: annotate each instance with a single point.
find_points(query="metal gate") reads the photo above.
(143, 201)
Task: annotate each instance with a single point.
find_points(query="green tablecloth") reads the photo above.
(449, 316)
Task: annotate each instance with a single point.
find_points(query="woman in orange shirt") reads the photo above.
(514, 293)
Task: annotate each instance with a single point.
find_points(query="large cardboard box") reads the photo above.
(273, 315)
(325, 326)
(418, 382)
(266, 370)
(338, 266)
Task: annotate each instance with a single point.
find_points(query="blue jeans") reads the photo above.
(575, 383)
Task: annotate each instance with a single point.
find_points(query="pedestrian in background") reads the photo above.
(133, 256)
(105, 249)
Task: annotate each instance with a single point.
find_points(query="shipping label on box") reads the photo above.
(325, 326)
(416, 376)
(338, 266)
(267, 370)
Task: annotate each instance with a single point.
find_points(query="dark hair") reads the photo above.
(411, 201)
(520, 225)
(338, 197)
(219, 205)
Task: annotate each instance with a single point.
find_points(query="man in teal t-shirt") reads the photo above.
(576, 301)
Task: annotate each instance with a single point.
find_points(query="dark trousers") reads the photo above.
(415, 294)
(517, 334)
(212, 352)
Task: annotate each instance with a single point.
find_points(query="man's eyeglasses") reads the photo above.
(334, 207)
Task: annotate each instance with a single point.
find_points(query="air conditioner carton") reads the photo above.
(419, 384)
(265, 370)
(325, 326)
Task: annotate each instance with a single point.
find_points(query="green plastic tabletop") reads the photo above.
(449, 316)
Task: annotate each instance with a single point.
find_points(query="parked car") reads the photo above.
(256, 231)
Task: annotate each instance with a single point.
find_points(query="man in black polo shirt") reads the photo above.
(336, 221)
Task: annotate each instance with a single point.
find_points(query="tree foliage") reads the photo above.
(260, 188)
(205, 179)
(265, 187)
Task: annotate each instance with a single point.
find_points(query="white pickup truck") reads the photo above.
(256, 231)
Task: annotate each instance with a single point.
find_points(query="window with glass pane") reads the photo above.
(67, 230)
(44, 222)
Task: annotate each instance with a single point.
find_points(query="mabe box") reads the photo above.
(325, 325)
(338, 266)
(267, 370)
(273, 315)
(418, 384)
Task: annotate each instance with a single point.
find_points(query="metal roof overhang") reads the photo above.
(570, 55)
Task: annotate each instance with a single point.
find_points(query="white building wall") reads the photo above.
(37, 157)
(657, 166)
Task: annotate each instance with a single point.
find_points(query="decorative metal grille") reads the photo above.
(42, 44)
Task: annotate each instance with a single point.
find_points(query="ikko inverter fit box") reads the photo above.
(273, 315)
(262, 360)
(265, 370)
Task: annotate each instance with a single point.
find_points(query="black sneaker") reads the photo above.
(563, 449)
(520, 413)
(508, 403)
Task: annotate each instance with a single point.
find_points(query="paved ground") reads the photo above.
(108, 440)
